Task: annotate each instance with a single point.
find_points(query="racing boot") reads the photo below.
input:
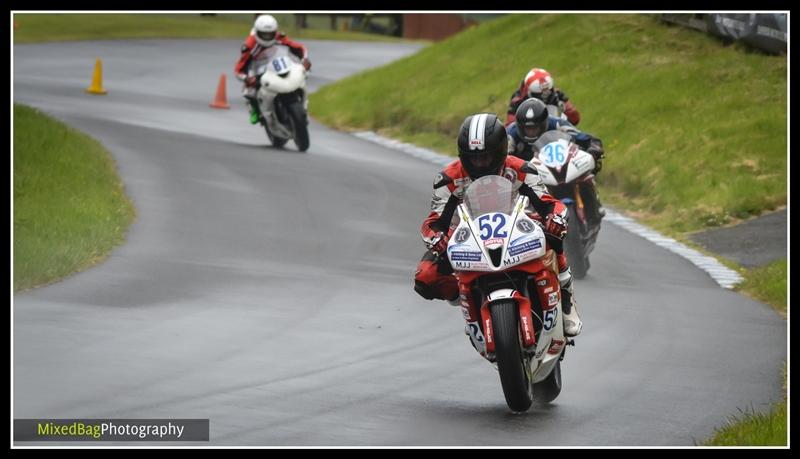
(254, 112)
(572, 321)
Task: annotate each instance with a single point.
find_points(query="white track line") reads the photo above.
(724, 276)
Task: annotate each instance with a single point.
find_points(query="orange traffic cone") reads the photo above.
(97, 79)
(221, 101)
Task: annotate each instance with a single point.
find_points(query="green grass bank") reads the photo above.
(37, 28)
(696, 131)
(70, 208)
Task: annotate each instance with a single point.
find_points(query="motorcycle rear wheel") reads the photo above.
(517, 387)
(576, 256)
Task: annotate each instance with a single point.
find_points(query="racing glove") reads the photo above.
(596, 149)
(306, 63)
(438, 243)
(556, 223)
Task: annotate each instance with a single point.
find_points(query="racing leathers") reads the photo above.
(254, 55)
(434, 278)
(557, 98)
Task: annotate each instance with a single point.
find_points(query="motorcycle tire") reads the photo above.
(576, 256)
(514, 379)
(299, 125)
(277, 142)
(547, 390)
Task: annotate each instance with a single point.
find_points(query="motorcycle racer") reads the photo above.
(264, 41)
(483, 150)
(532, 120)
(539, 84)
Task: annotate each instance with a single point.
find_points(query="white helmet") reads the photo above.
(540, 84)
(266, 29)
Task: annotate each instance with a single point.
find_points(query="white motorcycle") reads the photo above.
(283, 101)
(566, 170)
(500, 257)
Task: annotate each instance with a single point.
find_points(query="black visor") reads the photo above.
(267, 36)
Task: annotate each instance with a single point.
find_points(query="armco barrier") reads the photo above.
(763, 31)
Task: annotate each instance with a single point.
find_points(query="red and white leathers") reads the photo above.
(434, 281)
(555, 97)
(253, 55)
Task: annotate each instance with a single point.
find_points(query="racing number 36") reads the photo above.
(488, 230)
(554, 152)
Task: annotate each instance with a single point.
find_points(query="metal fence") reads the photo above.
(764, 31)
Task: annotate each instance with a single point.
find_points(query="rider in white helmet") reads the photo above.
(264, 42)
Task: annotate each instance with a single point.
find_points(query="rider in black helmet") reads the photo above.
(482, 150)
(533, 120)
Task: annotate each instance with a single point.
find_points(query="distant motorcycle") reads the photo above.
(283, 101)
(566, 170)
(557, 111)
(500, 256)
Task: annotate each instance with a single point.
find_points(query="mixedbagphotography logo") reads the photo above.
(111, 430)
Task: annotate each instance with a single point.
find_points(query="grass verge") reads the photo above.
(750, 428)
(37, 28)
(768, 284)
(696, 131)
(70, 208)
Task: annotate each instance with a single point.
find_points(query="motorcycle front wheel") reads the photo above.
(517, 387)
(277, 142)
(299, 125)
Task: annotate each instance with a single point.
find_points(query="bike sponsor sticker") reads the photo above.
(462, 265)
(552, 299)
(493, 241)
(465, 256)
(525, 226)
(512, 261)
(555, 346)
(461, 235)
(524, 247)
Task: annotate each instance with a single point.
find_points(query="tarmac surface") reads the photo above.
(752, 243)
(270, 291)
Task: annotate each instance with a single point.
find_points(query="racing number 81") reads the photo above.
(279, 64)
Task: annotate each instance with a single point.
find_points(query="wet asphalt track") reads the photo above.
(270, 290)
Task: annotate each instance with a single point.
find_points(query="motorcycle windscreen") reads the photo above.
(550, 137)
(491, 193)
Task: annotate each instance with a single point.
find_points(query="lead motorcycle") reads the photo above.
(500, 257)
(566, 170)
(283, 101)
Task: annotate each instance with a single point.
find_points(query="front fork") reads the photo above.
(579, 202)
(548, 291)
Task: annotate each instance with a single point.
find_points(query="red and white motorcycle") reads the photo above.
(500, 257)
(566, 170)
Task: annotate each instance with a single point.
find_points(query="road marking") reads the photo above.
(724, 276)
